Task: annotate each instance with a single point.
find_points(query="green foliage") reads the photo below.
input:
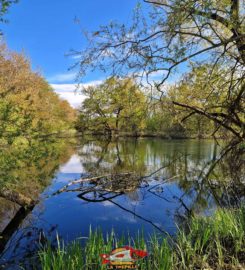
(28, 105)
(216, 242)
(28, 165)
(119, 106)
(169, 37)
(115, 105)
(197, 97)
(4, 7)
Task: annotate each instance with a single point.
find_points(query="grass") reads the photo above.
(216, 242)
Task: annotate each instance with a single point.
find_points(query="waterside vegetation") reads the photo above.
(216, 242)
(176, 72)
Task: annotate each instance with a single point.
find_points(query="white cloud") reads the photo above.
(78, 56)
(92, 83)
(74, 99)
(63, 77)
(68, 92)
(107, 203)
(159, 74)
(66, 87)
(72, 92)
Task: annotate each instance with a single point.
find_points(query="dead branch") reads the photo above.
(89, 179)
(16, 197)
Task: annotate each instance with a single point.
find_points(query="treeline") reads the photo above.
(30, 111)
(114, 106)
(30, 108)
(28, 105)
(120, 107)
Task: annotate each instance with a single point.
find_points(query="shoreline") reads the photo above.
(215, 242)
(148, 135)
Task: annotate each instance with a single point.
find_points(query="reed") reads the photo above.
(216, 242)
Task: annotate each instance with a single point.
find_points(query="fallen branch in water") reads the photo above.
(97, 178)
(81, 180)
(89, 179)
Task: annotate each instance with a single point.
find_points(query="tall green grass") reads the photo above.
(216, 242)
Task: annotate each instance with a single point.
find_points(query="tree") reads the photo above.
(115, 105)
(174, 34)
(194, 90)
(4, 6)
(28, 105)
(26, 169)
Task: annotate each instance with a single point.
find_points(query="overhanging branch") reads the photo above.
(209, 116)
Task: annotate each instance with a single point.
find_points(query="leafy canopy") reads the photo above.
(167, 37)
(4, 7)
(117, 104)
(28, 105)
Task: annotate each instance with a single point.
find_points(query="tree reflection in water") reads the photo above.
(179, 175)
(27, 168)
(216, 176)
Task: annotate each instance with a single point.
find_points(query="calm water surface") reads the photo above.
(165, 185)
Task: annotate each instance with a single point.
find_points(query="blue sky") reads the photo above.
(45, 30)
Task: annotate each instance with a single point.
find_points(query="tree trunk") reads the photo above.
(16, 197)
(240, 43)
(117, 120)
(26, 206)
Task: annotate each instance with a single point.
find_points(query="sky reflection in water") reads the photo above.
(148, 205)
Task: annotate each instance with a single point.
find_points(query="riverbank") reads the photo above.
(160, 135)
(216, 242)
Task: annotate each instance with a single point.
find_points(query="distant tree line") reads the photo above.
(113, 106)
(119, 106)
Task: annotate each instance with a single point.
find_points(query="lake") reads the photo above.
(165, 183)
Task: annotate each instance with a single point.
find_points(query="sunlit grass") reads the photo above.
(213, 241)
(216, 242)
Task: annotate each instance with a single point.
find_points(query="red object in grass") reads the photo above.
(123, 255)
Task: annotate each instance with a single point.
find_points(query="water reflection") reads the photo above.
(180, 161)
(147, 183)
(26, 168)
